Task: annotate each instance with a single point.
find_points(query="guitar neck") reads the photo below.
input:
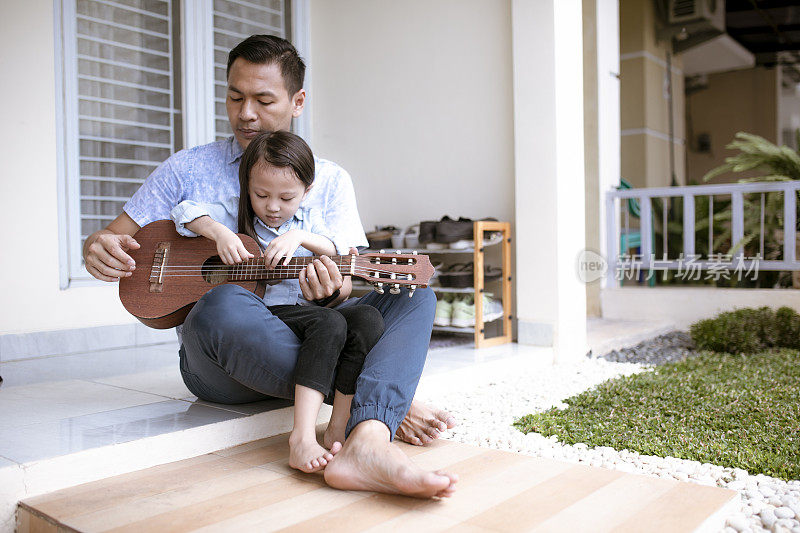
(256, 268)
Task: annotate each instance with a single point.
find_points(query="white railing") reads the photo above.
(618, 219)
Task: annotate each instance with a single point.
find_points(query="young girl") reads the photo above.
(275, 174)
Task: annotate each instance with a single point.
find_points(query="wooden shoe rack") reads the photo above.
(479, 253)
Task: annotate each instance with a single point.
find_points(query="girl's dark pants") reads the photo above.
(334, 343)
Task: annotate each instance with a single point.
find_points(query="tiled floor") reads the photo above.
(54, 406)
(59, 405)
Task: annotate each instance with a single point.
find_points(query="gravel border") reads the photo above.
(486, 412)
(668, 348)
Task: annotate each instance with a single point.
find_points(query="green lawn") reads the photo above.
(738, 411)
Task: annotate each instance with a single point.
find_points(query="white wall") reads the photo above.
(29, 264)
(414, 99)
(683, 306)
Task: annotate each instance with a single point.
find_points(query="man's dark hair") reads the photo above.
(280, 149)
(268, 49)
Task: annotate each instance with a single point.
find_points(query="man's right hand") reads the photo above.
(105, 251)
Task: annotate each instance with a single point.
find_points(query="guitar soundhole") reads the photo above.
(214, 271)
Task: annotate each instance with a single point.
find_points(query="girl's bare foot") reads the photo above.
(306, 455)
(368, 461)
(333, 435)
(423, 424)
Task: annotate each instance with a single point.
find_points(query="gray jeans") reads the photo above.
(235, 351)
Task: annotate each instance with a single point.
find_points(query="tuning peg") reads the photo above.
(382, 251)
(379, 288)
(411, 290)
(413, 252)
(398, 252)
(395, 289)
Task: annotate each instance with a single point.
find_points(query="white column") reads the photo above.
(608, 107)
(198, 66)
(549, 174)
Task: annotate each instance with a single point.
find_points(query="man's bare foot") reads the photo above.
(307, 455)
(368, 461)
(423, 424)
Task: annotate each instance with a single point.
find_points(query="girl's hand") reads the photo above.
(283, 246)
(230, 247)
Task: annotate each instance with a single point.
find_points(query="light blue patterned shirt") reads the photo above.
(210, 174)
(285, 292)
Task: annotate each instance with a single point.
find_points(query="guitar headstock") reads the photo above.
(394, 269)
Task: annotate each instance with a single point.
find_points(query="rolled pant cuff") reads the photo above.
(382, 413)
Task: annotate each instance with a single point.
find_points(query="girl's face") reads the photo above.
(275, 193)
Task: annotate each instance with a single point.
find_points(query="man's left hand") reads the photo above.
(320, 279)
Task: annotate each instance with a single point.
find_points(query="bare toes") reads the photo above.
(437, 424)
(336, 447)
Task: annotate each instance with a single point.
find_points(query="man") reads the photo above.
(233, 350)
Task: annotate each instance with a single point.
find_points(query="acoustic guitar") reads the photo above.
(173, 272)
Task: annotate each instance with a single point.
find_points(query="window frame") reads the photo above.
(197, 122)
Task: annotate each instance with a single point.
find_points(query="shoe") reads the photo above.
(411, 237)
(462, 245)
(444, 311)
(449, 230)
(492, 309)
(464, 311)
(437, 267)
(427, 231)
(379, 239)
(458, 275)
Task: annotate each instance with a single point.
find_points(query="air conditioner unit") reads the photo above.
(702, 12)
(691, 22)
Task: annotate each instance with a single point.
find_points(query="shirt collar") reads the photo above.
(234, 150)
(298, 215)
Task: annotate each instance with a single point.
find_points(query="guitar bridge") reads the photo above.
(159, 267)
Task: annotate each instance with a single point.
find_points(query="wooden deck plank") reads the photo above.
(122, 514)
(600, 511)
(285, 513)
(120, 490)
(193, 516)
(252, 488)
(535, 505)
(678, 508)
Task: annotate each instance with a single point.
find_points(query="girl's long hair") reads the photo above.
(280, 149)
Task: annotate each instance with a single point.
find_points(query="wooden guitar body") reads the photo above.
(174, 272)
(163, 302)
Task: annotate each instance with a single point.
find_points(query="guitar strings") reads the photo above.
(234, 274)
(258, 268)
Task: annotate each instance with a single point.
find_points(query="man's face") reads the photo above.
(257, 100)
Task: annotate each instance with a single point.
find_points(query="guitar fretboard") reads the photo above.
(256, 269)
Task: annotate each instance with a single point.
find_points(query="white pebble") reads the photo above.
(784, 512)
(738, 522)
(768, 518)
(736, 485)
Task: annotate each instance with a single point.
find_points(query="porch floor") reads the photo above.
(251, 488)
(79, 418)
